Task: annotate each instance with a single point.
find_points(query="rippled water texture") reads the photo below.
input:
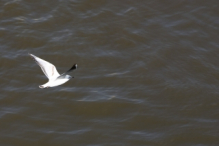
(148, 73)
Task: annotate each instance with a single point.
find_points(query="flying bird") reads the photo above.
(55, 79)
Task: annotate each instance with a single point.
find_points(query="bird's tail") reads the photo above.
(41, 86)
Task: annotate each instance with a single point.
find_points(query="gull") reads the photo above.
(55, 79)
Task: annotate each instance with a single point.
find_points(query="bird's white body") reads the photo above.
(55, 79)
(53, 83)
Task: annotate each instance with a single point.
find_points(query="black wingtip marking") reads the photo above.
(75, 66)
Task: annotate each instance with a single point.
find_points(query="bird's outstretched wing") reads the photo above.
(71, 69)
(48, 69)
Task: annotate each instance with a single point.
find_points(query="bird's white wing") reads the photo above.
(48, 69)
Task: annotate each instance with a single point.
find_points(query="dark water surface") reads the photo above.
(148, 73)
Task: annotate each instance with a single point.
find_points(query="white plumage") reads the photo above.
(55, 79)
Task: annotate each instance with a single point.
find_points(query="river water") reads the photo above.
(148, 73)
